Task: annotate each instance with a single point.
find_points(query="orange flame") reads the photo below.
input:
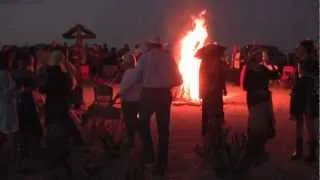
(189, 65)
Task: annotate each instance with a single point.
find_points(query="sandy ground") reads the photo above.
(184, 164)
(186, 132)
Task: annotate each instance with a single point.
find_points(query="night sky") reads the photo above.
(280, 22)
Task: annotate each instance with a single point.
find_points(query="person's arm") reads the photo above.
(176, 73)
(224, 81)
(129, 80)
(243, 77)
(140, 67)
(272, 71)
(124, 84)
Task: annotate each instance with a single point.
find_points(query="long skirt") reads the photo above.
(212, 112)
(261, 120)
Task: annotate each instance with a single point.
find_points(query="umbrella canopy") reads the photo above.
(79, 31)
(276, 56)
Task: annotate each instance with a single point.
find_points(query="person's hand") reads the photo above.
(83, 108)
(225, 92)
(75, 115)
(63, 67)
(114, 100)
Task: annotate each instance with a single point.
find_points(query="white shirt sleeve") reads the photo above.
(128, 80)
(139, 69)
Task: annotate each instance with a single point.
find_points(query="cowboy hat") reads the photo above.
(308, 44)
(209, 50)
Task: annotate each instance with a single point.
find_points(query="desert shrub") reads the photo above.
(228, 156)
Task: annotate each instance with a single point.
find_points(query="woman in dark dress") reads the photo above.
(255, 79)
(29, 123)
(304, 104)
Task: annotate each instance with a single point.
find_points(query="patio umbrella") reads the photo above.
(79, 31)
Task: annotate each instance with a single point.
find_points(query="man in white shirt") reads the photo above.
(158, 73)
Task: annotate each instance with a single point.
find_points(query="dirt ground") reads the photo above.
(185, 164)
(185, 135)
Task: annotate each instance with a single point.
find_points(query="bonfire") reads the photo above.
(189, 65)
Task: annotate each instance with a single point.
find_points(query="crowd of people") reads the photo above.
(27, 76)
(96, 55)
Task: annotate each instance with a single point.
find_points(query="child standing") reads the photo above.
(130, 97)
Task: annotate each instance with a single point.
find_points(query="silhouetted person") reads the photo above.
(304, 107)
(112, 58)
(105, 48)
(158, 73)
(212, 87)
(130, 99)
(255, 78)
(123, 50)
(29, 122)
(57, 88)
(9, 124)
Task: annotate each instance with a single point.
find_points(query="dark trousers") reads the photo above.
(30, 144)
(58, 144)
(130, 111)
(312, 124)
(158, 101)
(256, 145)
(212, 110)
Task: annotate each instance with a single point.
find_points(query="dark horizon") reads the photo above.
(280, 23)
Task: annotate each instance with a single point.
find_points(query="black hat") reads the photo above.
(212, 49)
(307, 44)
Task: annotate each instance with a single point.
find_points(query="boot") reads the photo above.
(299, 150)
(259, 155)
(312, 152)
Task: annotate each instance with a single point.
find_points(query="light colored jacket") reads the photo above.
(129, 88)
(157, 69)
(8, 108)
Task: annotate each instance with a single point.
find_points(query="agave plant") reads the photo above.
(111, 147)
(228, 156)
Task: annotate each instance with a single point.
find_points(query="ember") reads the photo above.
(189, 65)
